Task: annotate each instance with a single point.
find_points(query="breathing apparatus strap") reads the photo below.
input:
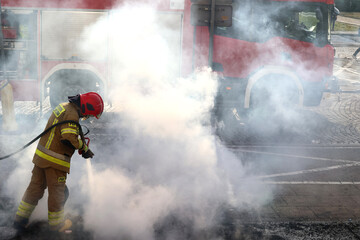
(46, 131)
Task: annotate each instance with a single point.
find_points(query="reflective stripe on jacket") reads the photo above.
(53, 156)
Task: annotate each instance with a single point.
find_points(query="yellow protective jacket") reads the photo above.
(57, 146)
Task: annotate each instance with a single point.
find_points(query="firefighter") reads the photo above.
(334, 15)
(52, 160)
(358, 49)
(7, 102)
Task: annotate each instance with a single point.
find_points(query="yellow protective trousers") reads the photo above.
(42, 178)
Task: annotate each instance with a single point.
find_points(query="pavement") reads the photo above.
(348, 20)
(314, 202)
(330, 194)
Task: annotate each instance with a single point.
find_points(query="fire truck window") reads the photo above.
(260, 22)
(301, 26)
(20, 44)
(18, 25)
(240, 23)
(10, 25)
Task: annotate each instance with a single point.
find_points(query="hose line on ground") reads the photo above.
(43, 133)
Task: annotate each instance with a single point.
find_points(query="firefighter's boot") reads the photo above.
(20, 224)
(66, 225)
(22, 216)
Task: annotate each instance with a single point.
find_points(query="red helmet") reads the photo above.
(91, 104)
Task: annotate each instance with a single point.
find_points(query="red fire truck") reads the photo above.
(40, 44)
(274, 52)
(260, 48)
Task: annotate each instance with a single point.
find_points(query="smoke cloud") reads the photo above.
(170, 165)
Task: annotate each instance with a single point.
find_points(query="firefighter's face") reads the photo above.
(85, 117)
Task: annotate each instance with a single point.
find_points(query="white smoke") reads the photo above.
(170, 164)
(13, 182)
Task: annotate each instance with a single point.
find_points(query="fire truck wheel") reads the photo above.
(275, 95)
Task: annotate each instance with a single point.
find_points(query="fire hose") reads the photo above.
(46, 131)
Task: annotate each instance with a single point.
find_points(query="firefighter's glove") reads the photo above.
(87, 154)
(84, 149)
